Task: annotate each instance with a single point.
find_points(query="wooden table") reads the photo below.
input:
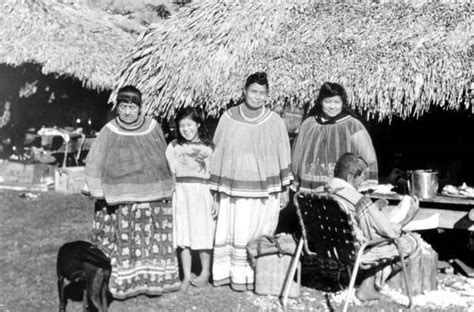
(76, 146)
(453, 214)
(453, 211)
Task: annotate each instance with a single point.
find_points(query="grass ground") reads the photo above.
(32, 230)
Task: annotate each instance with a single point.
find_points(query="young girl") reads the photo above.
(189, 156)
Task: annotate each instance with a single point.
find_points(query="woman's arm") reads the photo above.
(95, 165)
(298, 150)
(362, 146)
(215, 205)
(171, 157)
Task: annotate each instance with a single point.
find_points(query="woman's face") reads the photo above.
(332, 106)
(188, 128)
(128, 112)
(256, 95)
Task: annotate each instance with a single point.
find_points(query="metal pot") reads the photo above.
(423, 183)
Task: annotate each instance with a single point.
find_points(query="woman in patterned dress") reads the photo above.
(126, 171)
(250, 172)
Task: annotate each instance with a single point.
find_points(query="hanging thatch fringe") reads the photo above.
(65, 39)
(393, 57)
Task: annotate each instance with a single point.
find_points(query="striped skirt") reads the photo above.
(240, 221)
(138, 240)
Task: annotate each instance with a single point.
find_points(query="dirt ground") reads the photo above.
(32, 230)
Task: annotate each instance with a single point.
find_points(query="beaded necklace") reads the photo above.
(131, 127)
(248, 118)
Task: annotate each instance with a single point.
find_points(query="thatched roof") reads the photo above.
(66, 39)
(393, 58)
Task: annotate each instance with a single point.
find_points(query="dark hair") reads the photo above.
(349, 163)
(193, 114)
(129, 94)
(258, 77)
(330, 89)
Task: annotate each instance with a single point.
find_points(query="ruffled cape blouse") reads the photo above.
(251, 158)
(319, 145)
(127, 164)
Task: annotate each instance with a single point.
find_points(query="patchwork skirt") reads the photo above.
(138, 238)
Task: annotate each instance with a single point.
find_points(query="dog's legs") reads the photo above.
(85, 302)
(94, 281)
(62, 297)
(104, 288)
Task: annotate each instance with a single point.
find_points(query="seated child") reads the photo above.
(372, 224)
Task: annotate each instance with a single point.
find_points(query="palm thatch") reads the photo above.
(394, 58)
(65, 39)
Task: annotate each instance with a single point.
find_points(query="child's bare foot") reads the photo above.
(185, 284)
(201, 281)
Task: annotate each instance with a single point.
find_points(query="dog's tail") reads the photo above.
(96, 257)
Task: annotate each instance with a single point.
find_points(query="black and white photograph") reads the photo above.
(236, 155)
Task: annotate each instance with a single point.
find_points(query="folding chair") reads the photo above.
(327, 232)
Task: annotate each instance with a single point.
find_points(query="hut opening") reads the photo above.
(38, 100)
(440, 140)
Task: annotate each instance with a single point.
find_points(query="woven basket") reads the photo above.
(270, 274)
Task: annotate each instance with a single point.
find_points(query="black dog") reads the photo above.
(82, 266)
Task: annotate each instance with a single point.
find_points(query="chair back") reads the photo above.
(327, 229)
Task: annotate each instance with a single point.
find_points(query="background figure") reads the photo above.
(126, 170)
(250, 172)
(330, 131)
(189, 157)
(372, 224)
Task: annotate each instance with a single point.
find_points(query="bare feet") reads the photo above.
(364, 295)
(367, 290)
(201, 281)
(185, 284)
